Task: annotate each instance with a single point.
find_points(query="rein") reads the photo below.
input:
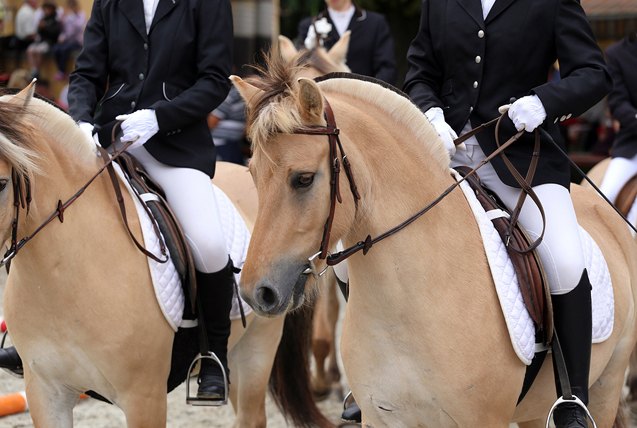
(22, 199)
(332, 132)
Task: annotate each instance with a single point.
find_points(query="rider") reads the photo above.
(622, 100)
(161, 67)
(470, 58)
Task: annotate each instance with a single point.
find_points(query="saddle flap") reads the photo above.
(151, 195)
(526, 265)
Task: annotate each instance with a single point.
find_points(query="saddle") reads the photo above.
(153, 198)
(527, 266)
(626, 196)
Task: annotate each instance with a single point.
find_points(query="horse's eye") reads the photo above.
(3, 184)
(302, 180)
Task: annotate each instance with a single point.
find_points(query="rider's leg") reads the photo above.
(191, 197)
(619, 171)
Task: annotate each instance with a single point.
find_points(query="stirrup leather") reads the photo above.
(573, 400)
(197, 401)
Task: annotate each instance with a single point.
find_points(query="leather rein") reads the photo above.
(332, 132)
(22, 199)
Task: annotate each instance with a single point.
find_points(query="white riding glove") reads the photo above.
(526, 113)
(446, 132)
(323, 27)
(138, 127)
(87, 129)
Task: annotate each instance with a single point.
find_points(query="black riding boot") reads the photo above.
(10, 360)
(572, 316)
(215, 291)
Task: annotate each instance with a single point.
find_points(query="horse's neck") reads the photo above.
(398, 179)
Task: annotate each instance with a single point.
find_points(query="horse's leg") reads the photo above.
(322, 338)
(147, 409)
(50, 407)
(251, 360)
(332, 315)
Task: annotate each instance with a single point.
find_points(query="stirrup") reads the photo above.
(346, 400)
(573, 400)
(193, 400)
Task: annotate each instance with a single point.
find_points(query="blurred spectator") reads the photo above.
(25, 28)
(49, 28)
(227, 126)
(371, 46)
(70, 40)
(622, 100)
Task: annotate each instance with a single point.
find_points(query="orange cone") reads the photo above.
(13, 403)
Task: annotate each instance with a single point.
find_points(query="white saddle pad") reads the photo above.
(166, 281)
(518, 320)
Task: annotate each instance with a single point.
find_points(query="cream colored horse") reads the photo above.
(424, 342)
(78, 299)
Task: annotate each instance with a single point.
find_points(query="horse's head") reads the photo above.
(292, 173)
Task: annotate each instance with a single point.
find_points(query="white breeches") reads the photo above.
(191, 197)
(619, 171)
(560, 250)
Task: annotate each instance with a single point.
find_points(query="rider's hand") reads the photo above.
(138, 127)
(526, 113)
(446, 132)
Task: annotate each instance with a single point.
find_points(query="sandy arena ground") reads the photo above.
(91, 413)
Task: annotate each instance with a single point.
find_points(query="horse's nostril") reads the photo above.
(266, 296)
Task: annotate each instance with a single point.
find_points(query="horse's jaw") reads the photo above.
(280, 291)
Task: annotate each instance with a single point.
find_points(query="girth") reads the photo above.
(527, 266)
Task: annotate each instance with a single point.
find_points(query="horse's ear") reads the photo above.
(247, 91)
(338, 52)
(287, 49)
(25, 95)
(310, 101)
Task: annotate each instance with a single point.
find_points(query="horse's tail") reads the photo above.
(290, 378)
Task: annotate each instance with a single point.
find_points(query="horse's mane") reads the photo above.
(40, 115)
(276, 111)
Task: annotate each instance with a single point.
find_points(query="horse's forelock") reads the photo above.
(275, 112)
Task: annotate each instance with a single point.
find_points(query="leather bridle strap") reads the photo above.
(122, 209)
(365, 245)
(335, 146)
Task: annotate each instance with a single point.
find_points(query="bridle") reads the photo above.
(332, 131)
(22, 200)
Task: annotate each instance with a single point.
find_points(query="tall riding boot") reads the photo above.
(215, 291)
(572, 316)
(11, 361)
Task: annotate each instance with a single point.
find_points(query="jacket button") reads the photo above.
(481, 34)
(470, 109)
(141, 76)
(478, 59)
(132, 104)
(145, 46)
(475, 84)
(512, 100)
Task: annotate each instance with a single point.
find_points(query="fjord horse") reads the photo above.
(79, 301)
(424, 342)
